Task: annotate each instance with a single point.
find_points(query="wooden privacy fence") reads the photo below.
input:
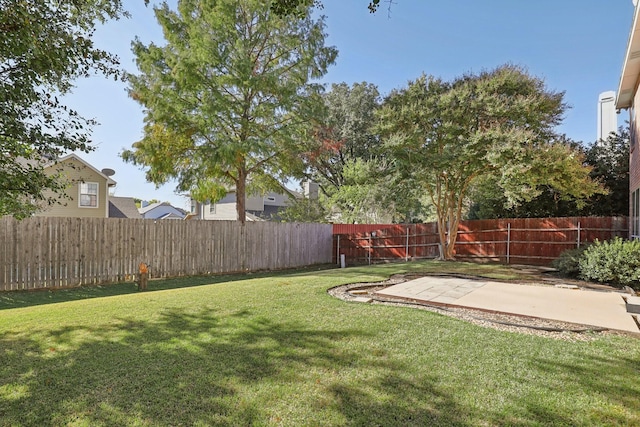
(534, 241)
(62, 252)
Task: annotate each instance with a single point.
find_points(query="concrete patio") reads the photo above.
(604, 309)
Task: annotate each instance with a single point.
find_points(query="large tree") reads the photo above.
(344, 156)
(446, 136)
(293, 7)
(342, 134)
(226, 96)
(609, 160)
(44, 46)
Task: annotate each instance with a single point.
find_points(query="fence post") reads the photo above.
(508, 241)
(338, 251)
(578, 234)
(370, 245)
(406, 247)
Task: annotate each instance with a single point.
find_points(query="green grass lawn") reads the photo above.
(275, 349)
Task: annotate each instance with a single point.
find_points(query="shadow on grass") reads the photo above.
(17, 299)
(200, 369)
(407, 402)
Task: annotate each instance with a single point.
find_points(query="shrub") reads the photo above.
(616, 262)
(568, 262)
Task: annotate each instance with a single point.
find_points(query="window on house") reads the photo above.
(271, 199)
(89, 194)
(212, 208)
(635, 214)
(193, 206)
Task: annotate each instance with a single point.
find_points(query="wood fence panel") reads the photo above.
(45, 252)
(536, 241)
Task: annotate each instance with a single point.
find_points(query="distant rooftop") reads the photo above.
(123, 207)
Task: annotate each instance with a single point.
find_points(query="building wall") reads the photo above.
(253, 203)
(222, 211)
(266, 207)
(75, 173)
(275, 199)
(634, 169)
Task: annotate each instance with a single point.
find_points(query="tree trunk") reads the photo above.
(452, 231)
(448, 224)
(241, 191)
(449, 253)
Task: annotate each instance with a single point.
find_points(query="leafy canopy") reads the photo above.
(44, 47)
(609, 163)
(227, 96)
(342, 133)
(447, 136)
(294, 7)
(344, 156)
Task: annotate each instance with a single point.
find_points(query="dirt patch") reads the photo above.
(505, 322)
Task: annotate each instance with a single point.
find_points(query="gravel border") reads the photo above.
(502, 322)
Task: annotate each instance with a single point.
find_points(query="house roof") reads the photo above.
(152, 206)
(631, 66)
(147, 208)
(123, 207)
(170, 215)
(252, 217)
(110, 182)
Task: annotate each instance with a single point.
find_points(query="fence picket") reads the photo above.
(62, 252)
(535, 241)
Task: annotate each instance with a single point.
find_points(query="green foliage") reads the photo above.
(227, 97)
(44, 47)
(344, 156)
(610, 162)
(297, 8)
(359, 198)
(294, 7)
(616, 262)
(445, 137)
(609, 166)
(568, 263)
(343, 133)
(304, 210)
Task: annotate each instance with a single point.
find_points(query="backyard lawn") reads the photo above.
(276, 349)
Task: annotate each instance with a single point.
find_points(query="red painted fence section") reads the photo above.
(533, 241)
(359, 228)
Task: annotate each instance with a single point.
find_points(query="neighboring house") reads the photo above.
(258, 208)
(123, 207)
(161, 210)
(629, 98)
(87, 193)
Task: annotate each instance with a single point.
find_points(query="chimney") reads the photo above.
(310, 190)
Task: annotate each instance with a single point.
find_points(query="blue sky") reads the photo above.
(577, 46)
